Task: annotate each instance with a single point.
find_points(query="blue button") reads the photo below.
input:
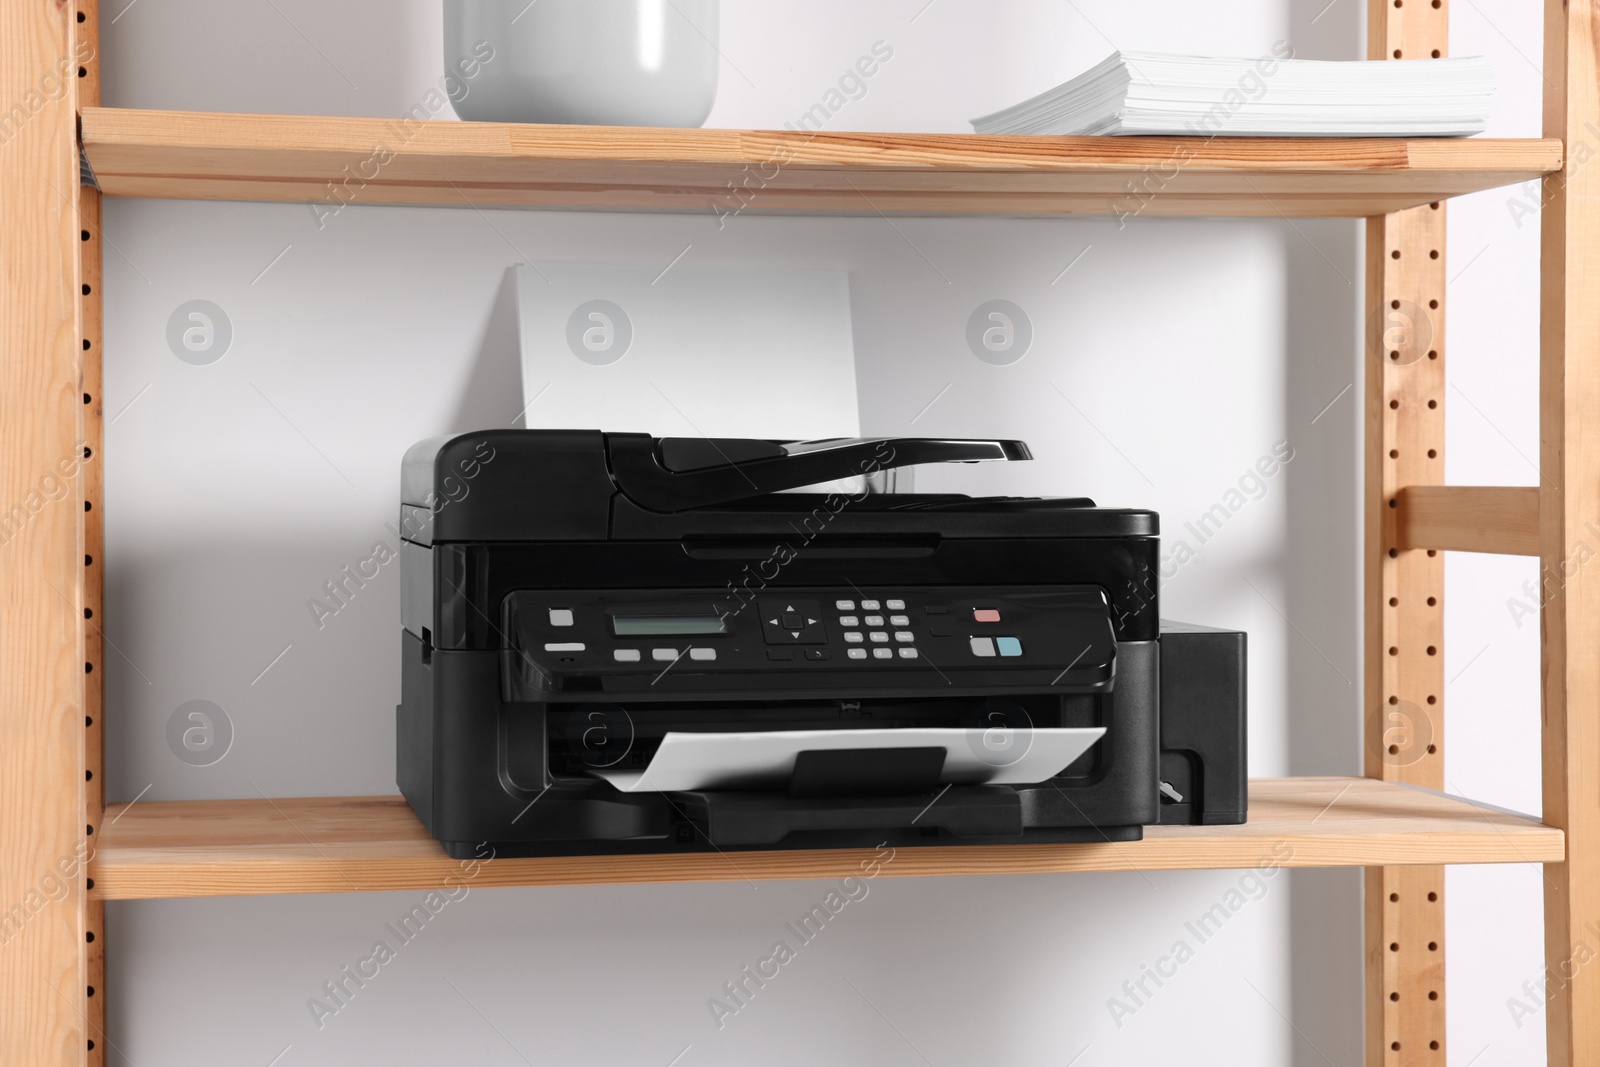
(1008, 646)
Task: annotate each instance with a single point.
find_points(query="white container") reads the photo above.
(592, 62)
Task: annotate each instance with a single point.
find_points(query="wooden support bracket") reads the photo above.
(1463, 518)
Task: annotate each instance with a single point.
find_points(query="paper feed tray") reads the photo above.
(901, 760)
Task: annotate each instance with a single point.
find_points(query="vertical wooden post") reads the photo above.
(1403, 684)
(1569, 512)
(91, 257)
(43, 965)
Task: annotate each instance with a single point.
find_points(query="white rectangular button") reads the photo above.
(880, 638)
(849, 620)
(895, 605)
(845, 605)
(883, 653)
(625, 655)
(899, 620)
(869, 605)
(982, 646)
(564, 646)
(857, 653)
(665, 655)
(853, 638)
(908, 653)
(560, 616)
(904, 636)
(874, 620)
(702, 654)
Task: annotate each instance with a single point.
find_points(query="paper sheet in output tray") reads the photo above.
(765, 760)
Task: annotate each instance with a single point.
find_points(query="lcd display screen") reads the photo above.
(667, 625)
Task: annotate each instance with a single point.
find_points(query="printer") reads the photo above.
(616, 643)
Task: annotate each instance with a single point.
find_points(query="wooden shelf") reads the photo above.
(347, 844)
(328, 161)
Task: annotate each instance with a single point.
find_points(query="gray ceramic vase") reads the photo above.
(593, 62)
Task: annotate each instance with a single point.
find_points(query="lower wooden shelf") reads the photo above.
(150, 850)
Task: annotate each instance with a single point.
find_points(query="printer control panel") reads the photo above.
(659, 633)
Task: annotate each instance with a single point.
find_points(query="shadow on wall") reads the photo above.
(492, 397)
(1323, 347)
(308, 628)
(1322, 588)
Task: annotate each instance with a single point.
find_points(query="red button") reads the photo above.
(985, 615)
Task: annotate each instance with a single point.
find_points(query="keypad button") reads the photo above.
(982, 646)
(853, 638)
(880, 638)
(703, 654)
(899, 620)
(663, 655)
(845, 605)
(908, 653)
(792, 621)
(560, 616)
(904, 636)
(895, 605)
(869, 605)
(874, 620)
(1008, 646)
(625, 655)
(883, 653)
(564, 646)
(849, 620)
(985, 615)
(857, 653)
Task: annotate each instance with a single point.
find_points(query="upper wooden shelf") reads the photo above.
(214, 156)
(244, 847)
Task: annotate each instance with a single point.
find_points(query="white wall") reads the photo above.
(1187, 348)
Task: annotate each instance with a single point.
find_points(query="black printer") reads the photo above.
(580, 609)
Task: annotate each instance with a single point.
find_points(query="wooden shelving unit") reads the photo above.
(1391, 822)
(359, 844)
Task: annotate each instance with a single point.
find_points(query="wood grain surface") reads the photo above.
(332, 163)
(358, 844)
(43, 818)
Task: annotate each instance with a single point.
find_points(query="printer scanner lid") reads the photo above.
(510, 485)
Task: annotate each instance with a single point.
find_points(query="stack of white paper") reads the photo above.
(1154, 93)
(766, 759)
